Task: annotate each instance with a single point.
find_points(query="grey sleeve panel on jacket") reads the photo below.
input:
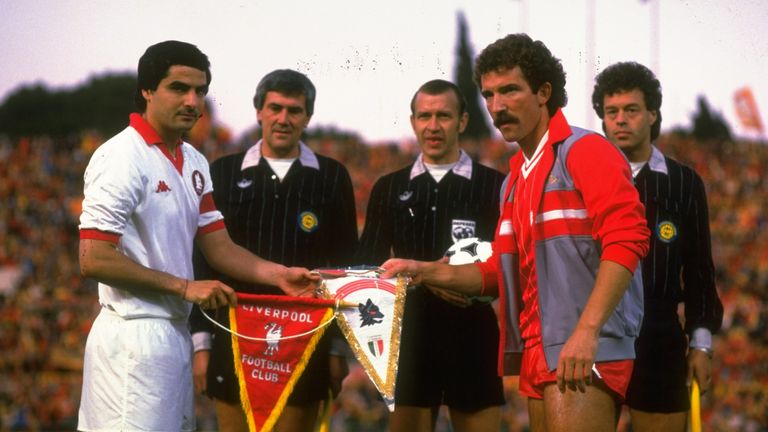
(569, 284)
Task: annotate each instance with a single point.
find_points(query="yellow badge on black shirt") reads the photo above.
(308, 221)
(666, 231)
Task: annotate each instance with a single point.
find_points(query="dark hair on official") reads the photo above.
(158, 58)
(534, 59)
(288, 82)
(627, 76)
(437, 87)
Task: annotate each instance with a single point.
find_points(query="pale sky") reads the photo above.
(367, 58)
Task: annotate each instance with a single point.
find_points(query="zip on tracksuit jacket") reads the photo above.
(587, 211)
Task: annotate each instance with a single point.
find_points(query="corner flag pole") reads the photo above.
(695, 419)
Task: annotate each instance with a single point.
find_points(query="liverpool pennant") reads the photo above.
(372, 328)
(273, 338)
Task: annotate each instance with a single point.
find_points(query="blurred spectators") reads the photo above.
(738, 194)
(45, 311)
(46, 308)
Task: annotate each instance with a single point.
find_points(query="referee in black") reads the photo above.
(627, 97)
(290, 205)
(447, 353)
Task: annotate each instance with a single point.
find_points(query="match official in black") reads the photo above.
(290, 205)
(627, 97)
(447, 352)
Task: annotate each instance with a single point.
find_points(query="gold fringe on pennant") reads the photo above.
(244, 400)
(385, 384)
(298, 370)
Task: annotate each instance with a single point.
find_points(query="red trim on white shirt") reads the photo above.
(211, 227)
(94, 234)
(207, 204)
(151, 137)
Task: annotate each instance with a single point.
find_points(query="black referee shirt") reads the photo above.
(680, 251)
(307, 219)
(419, 218)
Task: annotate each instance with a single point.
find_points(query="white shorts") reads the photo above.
(137, 375)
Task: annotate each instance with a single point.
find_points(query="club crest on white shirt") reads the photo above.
(198, 182)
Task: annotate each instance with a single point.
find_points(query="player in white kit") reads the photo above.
(147, 199)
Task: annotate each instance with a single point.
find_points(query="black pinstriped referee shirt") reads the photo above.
(418, 218)
(307, 219)
(678, 267)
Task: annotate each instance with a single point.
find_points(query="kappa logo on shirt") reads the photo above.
(162, 187)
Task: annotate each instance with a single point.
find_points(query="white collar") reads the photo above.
(657, 162)
(529, 164)
(306, 156)
(462, 168)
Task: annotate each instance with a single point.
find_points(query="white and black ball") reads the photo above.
(469, 250)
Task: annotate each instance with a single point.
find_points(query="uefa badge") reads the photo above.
(308, 221)
(666, 231)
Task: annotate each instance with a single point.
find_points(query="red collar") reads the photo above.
(151, 137)
(147, 132)
(558, 128)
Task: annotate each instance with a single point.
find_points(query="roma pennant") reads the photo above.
(273, 338)
(372, 328)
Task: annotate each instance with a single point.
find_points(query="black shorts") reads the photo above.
(448, 355)
(222, 382)
(658, 378)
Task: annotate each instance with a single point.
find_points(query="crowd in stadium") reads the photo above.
(46, 308)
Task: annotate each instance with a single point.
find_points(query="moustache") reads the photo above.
(503, 118)
(195, 113)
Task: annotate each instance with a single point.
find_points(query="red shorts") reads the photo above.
(535, 375)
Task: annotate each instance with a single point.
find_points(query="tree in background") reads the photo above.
(102, 104)
(477, 128)
(709, 125)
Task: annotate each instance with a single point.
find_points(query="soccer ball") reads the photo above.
(469, 250)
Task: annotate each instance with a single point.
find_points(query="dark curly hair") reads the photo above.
(533, 58)
(627, 76)
(158, 59)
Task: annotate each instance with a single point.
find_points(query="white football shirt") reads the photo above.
(152, 206)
